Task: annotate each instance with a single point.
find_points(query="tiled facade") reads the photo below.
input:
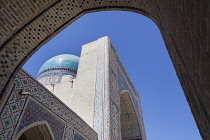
(112, 80)
(51, 71)
(27, 25)
(111, 105)
(40, 105)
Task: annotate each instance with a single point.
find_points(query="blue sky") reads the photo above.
(140, 45)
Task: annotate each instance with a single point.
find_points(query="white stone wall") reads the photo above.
(95, 94)
(79, 93)
(39, 107)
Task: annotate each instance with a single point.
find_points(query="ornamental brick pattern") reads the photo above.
(28, 24)
(20, 111)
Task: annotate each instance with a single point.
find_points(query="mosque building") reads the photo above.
(86, 98)
(55, 68)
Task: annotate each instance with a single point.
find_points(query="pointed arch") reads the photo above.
(36, 131)
(130, 128)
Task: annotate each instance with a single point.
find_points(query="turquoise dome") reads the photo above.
(61, 61)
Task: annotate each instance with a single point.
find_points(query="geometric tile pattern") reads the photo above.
(78, 136)
(102, 108)
(10, 114)
(31, 23)
(36, 132)
(54, 75)
(120, 81)
(34, 113)
(111, 79)
(20, 111)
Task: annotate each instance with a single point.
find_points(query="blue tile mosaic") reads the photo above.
(112, 78)
(34, 113)
(64, 61)
(78, 137)
(40, 105)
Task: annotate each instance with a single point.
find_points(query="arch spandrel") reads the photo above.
(25, 27)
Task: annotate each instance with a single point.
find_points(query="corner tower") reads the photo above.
(102, 93)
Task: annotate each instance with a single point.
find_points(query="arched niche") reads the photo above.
(130, 128)
(35, 131)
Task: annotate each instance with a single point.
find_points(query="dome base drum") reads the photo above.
(55, 68)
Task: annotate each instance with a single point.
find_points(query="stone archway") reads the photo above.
(130, 128)
(27, 25)
(35, 131)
